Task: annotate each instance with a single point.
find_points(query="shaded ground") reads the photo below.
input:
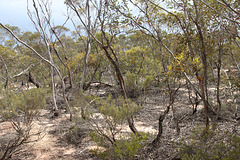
(62, 140)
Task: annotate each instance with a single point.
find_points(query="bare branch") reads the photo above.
(24, 71)
(45, 60)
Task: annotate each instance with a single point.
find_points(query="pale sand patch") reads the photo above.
(6, 127)
(141, 127)
(96, 148)
(69, 151)
(48, 148)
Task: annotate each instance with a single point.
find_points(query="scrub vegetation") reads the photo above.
(137, 79)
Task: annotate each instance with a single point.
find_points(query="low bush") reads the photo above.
(136, 84)
(109, 123)
(124, 148)
(211, 145)
(20, 109)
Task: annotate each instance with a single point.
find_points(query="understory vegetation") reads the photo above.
(169, 66)
(213, 145)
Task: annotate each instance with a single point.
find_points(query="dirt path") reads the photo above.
(62, 141)
(54, 144)
(50, 147)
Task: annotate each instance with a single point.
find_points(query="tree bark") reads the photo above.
(6, 69)
(32, 80)
(202, 81)
(219, 80)
(88, 48)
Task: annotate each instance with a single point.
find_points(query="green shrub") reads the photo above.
(124, 148)
(74, 135)
(128, 148)
(136, 83)
(211, 146)
(112, 115)
(20, 109)
(82, 104)
(116, 110)
(26, 103)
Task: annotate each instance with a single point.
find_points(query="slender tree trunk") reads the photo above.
(235, 61)
(121, 81)
(234, 99)
(6, 69)
(112, 61)
(32, 80)
(163, 115)
(219, 80)
(88, 49)
(51, 73)
(203, 82)
(45, 60)
(42, 30)
(160, 126)
(53, 89)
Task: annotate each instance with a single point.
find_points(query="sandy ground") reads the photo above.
(59, 143)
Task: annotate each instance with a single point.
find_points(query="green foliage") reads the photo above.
(82, 103)
(20, 109)
(26, 103)
(153, 44)
(75, 135)
(116, 111)
(124, 148)
(99, 139)
(211, 145)
(108, 127)
(128, 148)
(139, 64)
(132, 85)
(136, 83)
